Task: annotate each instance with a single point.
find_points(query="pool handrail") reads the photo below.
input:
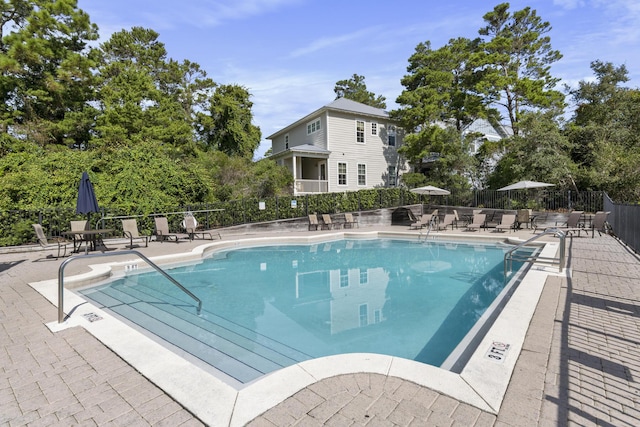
(127, 252)
(508, 256)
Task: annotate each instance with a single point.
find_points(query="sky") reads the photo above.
(289, 54)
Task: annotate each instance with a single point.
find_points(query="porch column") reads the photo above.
(295, 176)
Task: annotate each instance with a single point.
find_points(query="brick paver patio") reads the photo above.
(579, 366)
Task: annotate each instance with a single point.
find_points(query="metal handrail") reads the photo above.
(508, 257)
(144, 258)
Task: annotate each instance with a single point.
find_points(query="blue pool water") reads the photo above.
(269, 307)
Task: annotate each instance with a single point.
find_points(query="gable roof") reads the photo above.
(340, 104)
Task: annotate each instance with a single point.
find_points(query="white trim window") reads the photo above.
(374, 128)
(360, 131)
(393, 177)
(342, 173)
(313, 127)
(362, 174)
(391, 136)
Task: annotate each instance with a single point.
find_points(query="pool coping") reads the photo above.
(482, 382)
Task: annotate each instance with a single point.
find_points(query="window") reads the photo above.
(364, 276)
(342, 174)
(362, 174)
(391, 136)
(314, 126)
(392, 176)
(364, 314)
(344, 278)
(286, 142)
(360, 131)
(374, 128)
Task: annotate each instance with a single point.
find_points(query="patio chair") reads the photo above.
(130, 231)
(162, 230)
(328, 222)
(478, 221)
(313, 222)
(573, 223)
(447, 221)
(190, 224)
(599, 223)
(424, 221)
(349, 221)
(508, 222)
(55, 243)
(77, 227)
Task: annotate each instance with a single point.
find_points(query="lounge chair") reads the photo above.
(328, 222)
(599, 223)
(56, 243)
(424, 221)
(573, 223)
(191, 226)
(77, 227)
(478, 221)
(130, 231)
(447, 221)
(162, 230)
(457, 218)
(508, 222)
(313, 222)
(349, 221)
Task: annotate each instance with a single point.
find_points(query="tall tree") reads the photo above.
(605, 132)
(45, 67)
(439, 94)
(138, 92)
(355, 89)
(228, 127)
(516, 56)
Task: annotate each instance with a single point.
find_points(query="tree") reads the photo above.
(605, 133)
(355, 89)
(228, 127)
(541, 152)
(515, 59)
(438, 104)
(46, 68)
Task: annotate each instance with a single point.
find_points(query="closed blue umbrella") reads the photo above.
(87, 202)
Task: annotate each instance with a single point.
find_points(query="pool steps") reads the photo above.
(228, 347)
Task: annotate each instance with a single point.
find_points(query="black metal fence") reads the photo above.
(16, 229)
(625, 221)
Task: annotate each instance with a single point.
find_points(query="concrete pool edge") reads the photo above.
(482, 383)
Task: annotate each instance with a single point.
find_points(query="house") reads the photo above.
(343, 146)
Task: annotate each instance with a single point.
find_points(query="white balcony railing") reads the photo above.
(304, 186)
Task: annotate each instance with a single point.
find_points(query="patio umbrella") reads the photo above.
(87, 202)
(430, 190)
(524, 185)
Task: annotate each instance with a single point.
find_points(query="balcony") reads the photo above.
(310, 186)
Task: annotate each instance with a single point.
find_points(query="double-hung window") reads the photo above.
(360, 131)
(391, 136)
(392, 176)
(374, 128)
(314, 126)
(342, 174)
(362, 174)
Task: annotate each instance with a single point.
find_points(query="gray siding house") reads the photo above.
(343, 146)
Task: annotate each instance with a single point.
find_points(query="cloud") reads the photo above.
(332, 42)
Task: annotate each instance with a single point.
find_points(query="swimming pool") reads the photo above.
(267, 307)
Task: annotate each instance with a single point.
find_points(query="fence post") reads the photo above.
(569, 200)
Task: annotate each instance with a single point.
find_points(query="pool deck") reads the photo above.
(579, 364)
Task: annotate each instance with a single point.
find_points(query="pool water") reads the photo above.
(269, 307)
